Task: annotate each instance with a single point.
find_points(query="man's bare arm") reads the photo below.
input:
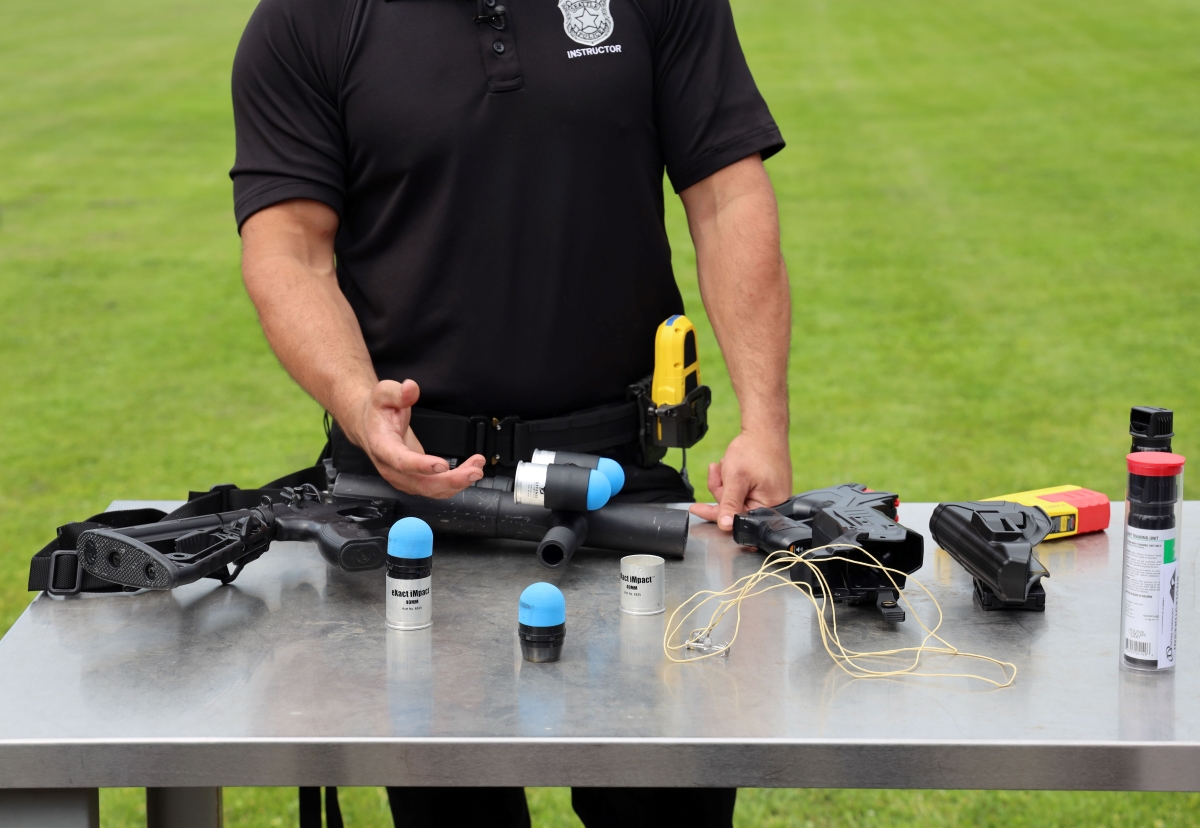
(734, 221)
(288, 268)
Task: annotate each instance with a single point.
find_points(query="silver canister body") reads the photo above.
(409, 602)
(529, 484)
(642, 585)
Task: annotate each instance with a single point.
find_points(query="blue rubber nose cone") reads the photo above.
(612, 470)
(598, 490)
(410, 537)
(542, 605)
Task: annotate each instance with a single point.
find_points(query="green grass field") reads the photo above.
(990, 215)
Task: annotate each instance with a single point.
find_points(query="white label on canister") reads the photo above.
(529, 484)
(1150, 594)
(642, 584)
(409, 604)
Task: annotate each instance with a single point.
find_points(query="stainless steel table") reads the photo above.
(289, 677)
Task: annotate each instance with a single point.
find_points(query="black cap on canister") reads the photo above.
(1151, 428)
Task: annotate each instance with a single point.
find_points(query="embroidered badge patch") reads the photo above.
(586, 21)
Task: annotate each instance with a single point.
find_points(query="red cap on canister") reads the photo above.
(1155, 463)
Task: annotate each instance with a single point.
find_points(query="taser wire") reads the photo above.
(775, 567)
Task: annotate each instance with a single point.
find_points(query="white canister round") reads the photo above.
(642, 584)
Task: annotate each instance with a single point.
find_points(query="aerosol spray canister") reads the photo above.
(1151, 428)
(410, 575)
(1150, 565)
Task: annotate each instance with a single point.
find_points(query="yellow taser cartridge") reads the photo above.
(1073, 510)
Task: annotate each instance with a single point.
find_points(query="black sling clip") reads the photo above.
(77, 585)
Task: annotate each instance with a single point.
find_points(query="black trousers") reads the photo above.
(596, 807)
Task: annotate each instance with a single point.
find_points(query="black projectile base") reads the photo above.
(1035, 600)
(542, 644)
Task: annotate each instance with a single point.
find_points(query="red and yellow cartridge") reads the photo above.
(1073, 510)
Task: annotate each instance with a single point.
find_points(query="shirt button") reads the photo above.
(498, 47)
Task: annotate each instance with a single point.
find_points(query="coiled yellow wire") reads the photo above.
(774, 568)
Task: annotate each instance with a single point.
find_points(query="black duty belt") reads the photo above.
(507, 440)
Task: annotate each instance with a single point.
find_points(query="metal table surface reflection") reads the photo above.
(290, 677)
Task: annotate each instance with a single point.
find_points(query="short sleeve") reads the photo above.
(290, 140)
(709, 111)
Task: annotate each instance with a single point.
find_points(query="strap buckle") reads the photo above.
(494, 439)
(78, 585)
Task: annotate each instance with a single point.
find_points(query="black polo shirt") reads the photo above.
(498, 177)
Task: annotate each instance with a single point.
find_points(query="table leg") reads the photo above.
(184, 808)
(50, 807)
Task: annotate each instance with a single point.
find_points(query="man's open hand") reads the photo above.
(754, 472)
(383, 433)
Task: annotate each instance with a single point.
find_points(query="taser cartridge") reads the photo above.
(1073, 510)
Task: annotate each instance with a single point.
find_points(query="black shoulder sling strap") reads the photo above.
(56, 568)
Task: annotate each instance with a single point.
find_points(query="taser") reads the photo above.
(676, 363)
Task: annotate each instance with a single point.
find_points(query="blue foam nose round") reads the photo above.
(410, 537)
(542, 605)
(612, 470)
(599, 491)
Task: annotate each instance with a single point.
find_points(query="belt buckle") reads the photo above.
(78, 586)
(505, 437)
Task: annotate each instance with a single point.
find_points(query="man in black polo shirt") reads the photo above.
(460, 201)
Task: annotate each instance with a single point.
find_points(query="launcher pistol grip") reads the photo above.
(349, 536)
(767, 529)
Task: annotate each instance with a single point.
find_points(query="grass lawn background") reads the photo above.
(990, 216)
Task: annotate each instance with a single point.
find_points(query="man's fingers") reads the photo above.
(733, 500)
(410, 392)
(407, 461)
(391, 404)
(388, 394)
(708, 511)
(714, 479)
(440, 484)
